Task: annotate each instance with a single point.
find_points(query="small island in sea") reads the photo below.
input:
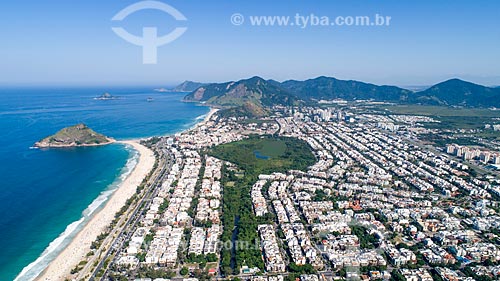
(106, 96)
(161, 90)
(73, 136)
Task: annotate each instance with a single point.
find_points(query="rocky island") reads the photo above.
(77, 135)
(106, 96)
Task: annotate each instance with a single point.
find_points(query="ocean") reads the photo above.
(46, 196)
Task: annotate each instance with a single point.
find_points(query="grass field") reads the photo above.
(284, 154)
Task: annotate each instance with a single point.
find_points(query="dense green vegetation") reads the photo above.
(459, 92)
(184, 271)
(468, 271)
(396, 276)
(301, 269)
(453, 92)
(238, 217)
(330, 88)
(228, 218)
(248, 109)
(284, 154)
(201, 259)
(366, 241)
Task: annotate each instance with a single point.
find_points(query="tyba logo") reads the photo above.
(149, 40)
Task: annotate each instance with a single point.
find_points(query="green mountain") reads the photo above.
(456, 92)
(265, 93)
(77, 135)
(248, 109)
(328, 88)
(254, 90)
(270, 92)
(187, 86)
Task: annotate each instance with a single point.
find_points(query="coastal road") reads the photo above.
(123, 229)
(127, 230)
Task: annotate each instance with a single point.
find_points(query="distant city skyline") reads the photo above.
(60, 43)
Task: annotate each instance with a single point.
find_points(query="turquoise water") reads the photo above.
(45, 195)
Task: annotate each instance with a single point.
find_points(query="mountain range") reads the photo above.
(261, 92)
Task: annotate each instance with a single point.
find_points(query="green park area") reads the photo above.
(266, 154)
(253, 156)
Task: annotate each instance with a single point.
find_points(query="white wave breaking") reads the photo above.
(31, 271)
(201, 117)
(191, 125)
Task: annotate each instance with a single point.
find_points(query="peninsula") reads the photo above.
(73, 136)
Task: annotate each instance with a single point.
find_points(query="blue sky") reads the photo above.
(71, 43)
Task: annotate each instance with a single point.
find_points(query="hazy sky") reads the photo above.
(71, 42)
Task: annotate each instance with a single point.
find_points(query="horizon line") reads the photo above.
(171, 85)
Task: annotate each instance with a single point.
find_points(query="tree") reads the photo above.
(396, 276)
(302, 269)
(184, 271)
(211, 257)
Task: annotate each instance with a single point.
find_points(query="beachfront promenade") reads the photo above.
(128, 222)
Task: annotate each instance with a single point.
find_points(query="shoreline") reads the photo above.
(212, 111)
(209, 115)
(60, 267)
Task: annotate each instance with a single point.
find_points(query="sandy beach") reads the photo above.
(207, 118)
(210, 113)
(61, 266)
